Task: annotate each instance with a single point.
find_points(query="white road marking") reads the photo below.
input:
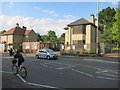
(21, 78)
(101, 61)
(106, 78)
(34, 84)
(60, 68)
(111, 75)
(82, 72)
(7, 72)
(102, 71)
(90, 66)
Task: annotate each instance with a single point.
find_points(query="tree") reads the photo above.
(116, 27)
(39, 37)
(106, 18)
(107, 38)
(52, 36)
(3, 31)
(62, 38)
(45, 38)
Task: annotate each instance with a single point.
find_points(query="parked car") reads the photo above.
(46, 53)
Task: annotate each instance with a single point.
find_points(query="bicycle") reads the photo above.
(22, 70)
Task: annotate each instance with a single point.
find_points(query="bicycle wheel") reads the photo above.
(14, 69)
(23, 72)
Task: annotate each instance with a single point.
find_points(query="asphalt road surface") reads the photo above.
(64, 73)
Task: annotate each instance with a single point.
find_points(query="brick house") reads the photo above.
(82, 35)
(34, 46)
(14, 37)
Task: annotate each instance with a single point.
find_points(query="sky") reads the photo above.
(45, 16)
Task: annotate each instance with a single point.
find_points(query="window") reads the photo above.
(84, 29)
(9, 38)
(34, 46)
(84, 41)
(77, 29)
(3, 38)
(77, 41)
(67, 44)
(27, 46)
(80, 41)
(41, 51)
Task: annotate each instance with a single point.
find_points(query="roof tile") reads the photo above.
(27, 31)
(80, 22)
(15, 30)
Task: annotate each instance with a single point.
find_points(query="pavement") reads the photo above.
(108, 56)
(112, 55)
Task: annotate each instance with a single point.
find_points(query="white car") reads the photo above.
(46, 53)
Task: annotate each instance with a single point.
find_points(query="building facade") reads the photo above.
(14, 37)
(34, 46)
(82, 36)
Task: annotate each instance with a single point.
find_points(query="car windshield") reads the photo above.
(49, 50)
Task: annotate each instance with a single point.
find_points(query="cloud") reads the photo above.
(45, 10)
(41, 26)
(10, 4)
(55, 15)
(66, 16)
(37, 8)
(52, 11)
(69, 16)
(115, 3)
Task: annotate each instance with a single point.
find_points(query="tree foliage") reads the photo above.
(3, 31)
(52, 36)
(106, 18)
(62, 38)
(116, 27)
(106, 36)
(39, 37)
(45, 38)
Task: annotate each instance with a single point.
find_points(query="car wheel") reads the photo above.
(37, 57)
(48, 57)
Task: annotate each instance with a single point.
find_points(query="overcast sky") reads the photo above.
(46, 16)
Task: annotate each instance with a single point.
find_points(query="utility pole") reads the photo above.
(97, 25)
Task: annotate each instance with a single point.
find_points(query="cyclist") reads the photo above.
(11, 51)
(20, 58)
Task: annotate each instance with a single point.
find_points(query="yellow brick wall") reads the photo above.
(10, 39)
(77, 37)
(89, 37)
(93, 44)
(88, 34)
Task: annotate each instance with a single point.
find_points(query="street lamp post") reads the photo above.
(97, 26)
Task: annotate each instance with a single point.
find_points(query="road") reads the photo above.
(64, 73)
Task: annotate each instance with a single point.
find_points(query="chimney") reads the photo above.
(92, 18)
(24, 28)
(17, 25)
(96, 22)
